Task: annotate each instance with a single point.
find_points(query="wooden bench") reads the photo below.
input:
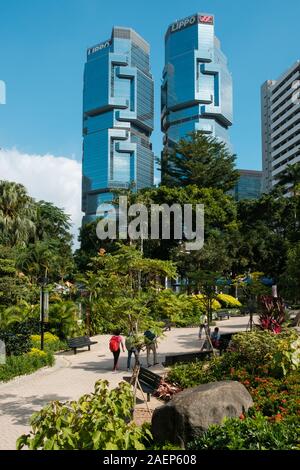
(149, 381)
(222, 315)
(80, 342)
(187, 357)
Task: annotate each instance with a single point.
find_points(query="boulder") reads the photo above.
(191, 412)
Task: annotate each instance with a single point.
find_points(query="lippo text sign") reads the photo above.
(190, 21)
(99, 47)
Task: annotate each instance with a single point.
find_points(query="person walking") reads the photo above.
(151, 346)
(131, 349)
(203, 323)
(115, 344)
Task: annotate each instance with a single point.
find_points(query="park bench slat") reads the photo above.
(80, 342)
(149, 381)
(187, 357)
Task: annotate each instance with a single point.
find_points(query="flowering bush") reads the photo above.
(202, 302)
(278, 353)
(51, 342)
(36, 352)
(228, 301)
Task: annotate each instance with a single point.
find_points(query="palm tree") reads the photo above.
(290, 176)
(17, 214)
(38, 260)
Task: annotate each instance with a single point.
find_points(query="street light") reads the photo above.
(44, 308)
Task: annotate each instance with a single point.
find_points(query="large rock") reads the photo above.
(192, 411)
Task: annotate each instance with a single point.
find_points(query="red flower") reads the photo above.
(242, 416)
(278, 417)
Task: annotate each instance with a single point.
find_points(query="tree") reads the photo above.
(42, 259)
(90, 245)
(52, 223)
(201, 160)
(267, 228)
(17, 214)
(290, 177)
(14, 286)
(290, 279)
(119, 288)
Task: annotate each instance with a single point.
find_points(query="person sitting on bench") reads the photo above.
(215, 338)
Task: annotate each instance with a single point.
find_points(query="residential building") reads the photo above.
(280, 114)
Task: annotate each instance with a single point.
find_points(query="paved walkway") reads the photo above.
(75, 375)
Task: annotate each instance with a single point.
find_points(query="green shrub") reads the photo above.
(63, 320)
(25, 364)
(191, 374)
(98, 421)
(15, 344)
(181, 309)
(251, 433)
(279, 353)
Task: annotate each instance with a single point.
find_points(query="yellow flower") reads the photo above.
(229, 300)
(37, 352)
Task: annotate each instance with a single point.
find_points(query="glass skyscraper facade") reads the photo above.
(118, 108)
(248, 186)
(197, 85)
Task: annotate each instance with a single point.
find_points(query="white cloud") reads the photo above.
(53, 179)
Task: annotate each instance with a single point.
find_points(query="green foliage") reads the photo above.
(14, 286)
(290, 176)
(181, 309)
(20, 313)
(201, 160)
(287, 356)
(39, 231)
(251, 433)
(257, 352)
(17, 337)
(120, 289)
(17, 214)
(24, 364)
(63, 320)
(290, 279)
(258, 349)
(267, 229)
(99, 421)
(191, 374)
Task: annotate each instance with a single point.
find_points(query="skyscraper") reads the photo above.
(117, 118)
(248, 186)
(280, 116)
(197, 86)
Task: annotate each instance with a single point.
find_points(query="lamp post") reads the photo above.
(44, 309)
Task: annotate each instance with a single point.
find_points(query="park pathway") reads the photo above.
(75, 375)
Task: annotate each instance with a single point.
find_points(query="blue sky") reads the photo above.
(42, 53)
